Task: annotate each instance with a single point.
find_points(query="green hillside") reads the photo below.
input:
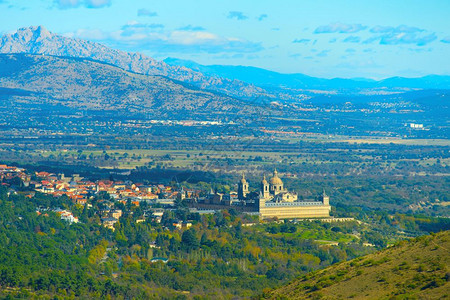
(415, 269)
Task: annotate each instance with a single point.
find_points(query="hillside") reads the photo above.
(418, 268)
(93, 85)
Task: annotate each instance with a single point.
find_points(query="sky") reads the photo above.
(323, 38)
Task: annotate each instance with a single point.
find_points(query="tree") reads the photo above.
(204, 239)
(84, 215)
(189, 240)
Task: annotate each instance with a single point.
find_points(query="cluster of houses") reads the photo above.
(80, 190)
(9, 173)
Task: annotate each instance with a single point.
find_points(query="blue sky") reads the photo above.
(325, 38)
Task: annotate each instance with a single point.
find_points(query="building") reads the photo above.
(275, 201)
(242, 188)
(274, 190)
(416, 126)
(109, 222)
(272, 200)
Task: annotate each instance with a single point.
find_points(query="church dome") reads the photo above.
(264, 181)
(275, 180)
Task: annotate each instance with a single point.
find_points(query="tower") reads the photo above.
(182, 194)
(325, 198)
(261, 202)
(265, 193)
(276, 185)
(242, 188)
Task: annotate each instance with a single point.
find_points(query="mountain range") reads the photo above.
(236, 81)
(38, 40)
(92, 85)
(271, 79)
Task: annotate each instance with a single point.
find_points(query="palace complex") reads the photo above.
(275, 200)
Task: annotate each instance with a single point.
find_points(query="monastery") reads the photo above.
(276, 201)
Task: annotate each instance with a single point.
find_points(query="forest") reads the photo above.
(222, 255)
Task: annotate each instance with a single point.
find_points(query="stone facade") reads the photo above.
(275, 201)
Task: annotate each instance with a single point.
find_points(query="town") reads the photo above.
(273, 200)
(80, 190)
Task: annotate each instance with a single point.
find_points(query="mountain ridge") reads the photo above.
(38, 40)
(90, 84)
(268, 78)
(236, 81)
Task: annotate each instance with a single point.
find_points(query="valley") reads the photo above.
(121, 177)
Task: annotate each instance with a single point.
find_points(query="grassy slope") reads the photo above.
(415, 269)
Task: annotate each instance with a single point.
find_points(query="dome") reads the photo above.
(264, 181)
(243, 181)
(275, 180)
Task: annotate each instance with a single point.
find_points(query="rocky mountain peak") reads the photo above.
(17, 42)
(40, 33)
(38, 40)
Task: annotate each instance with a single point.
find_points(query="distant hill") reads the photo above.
(271, 79)
(93, 85)
(415, 269)
(38, 40)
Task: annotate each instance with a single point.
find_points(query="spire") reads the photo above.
(243, 181)
(264, 181)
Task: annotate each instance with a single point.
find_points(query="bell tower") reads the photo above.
(265, 192)
(242, 188)
(325, 198)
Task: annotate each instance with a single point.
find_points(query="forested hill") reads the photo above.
(418, 268)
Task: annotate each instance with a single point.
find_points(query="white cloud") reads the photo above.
(97, 3)
(238, 15)
(340, 28)
(352, 39)
(146, 13)
(66, 4)
(192, 28)
(262, 17)
(152, 37)
(301, 41)
(323, 53)
(388, 35)
(446, 40)
(88, 34)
